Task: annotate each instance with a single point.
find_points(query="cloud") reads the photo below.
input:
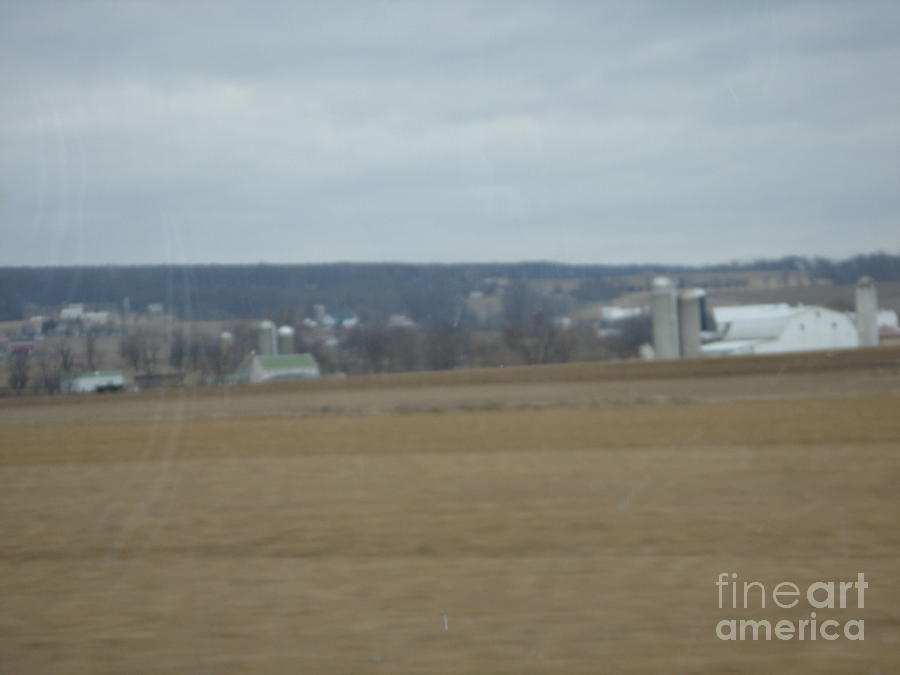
(589, 132)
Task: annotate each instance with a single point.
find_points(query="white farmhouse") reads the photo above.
(71, 312)
(780, 328)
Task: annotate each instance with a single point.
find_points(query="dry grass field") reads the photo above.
(568, 519)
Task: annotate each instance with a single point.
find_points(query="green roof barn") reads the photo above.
(270, 368)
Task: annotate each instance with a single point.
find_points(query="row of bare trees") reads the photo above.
(207, 354)
(531, 332)
(43, 368)
(153, 349)
(145, 349)
(379, 348)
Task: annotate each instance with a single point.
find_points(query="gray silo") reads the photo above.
(285, 340)
(690, 319)
(664, 313)
(867, 312)
(265, 339)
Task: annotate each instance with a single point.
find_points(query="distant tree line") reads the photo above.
(245, 291)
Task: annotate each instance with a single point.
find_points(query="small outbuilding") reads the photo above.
(93, 382)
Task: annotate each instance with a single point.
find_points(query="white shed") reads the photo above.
(98, 380)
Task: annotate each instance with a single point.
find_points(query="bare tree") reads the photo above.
(216, 357)
(142, 348)
(179, 350)
(530, 329)
(208, 354)
(131, 350)
(371, 343)
(91, 356)
(196, 354)
(446, 345)
(153, 345)
(211, 355)
(489, 349)
(557, 343)
(633, 333)
(18, 368)
(330, 359)
(243, 338)
(66, 356)
(49, 372)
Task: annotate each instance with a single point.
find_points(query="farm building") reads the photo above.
(72, 312)
(26, 346)
(888, 327)
(779, 328)
(270, 368)
(887, 318)
(96, 318)
(96, 381)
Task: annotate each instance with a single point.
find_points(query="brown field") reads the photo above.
(565, 519)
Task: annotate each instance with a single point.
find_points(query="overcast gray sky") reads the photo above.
(447, 131)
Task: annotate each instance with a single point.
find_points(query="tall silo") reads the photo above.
(265, 339)
(285, 340)
(664, 313)
(690, 320)
(867, 312)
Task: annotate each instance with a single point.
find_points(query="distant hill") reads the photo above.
(216, 292)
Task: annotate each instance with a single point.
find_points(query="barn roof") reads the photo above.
(95, 373)
(287, 361)
(754, 321)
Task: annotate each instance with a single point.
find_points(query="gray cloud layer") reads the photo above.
(583, 132)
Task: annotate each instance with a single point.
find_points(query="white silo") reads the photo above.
(285, 340)
(265, 339)
(664, 313)
(690, 319)
(867, 312)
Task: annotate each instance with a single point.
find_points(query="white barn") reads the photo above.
(780, 328)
